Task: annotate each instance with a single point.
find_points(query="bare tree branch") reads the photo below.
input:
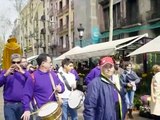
(18, 4)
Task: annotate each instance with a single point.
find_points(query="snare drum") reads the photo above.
(76, 99)
(50, 111)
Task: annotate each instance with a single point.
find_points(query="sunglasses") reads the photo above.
(14, 62)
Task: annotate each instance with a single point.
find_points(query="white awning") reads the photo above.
(152, 46)
(71, 51)
(101, 49)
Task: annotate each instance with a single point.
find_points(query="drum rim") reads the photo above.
(45, 105)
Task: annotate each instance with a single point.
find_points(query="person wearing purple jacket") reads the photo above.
(13, 81)
(73, 71)
(95, 72)
(40, 87)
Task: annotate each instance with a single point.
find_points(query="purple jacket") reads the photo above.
(13, 86)
(95, 72)
(100, 103)
(40, 88)
(75, 73)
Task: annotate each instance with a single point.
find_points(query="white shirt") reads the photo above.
(70, 78)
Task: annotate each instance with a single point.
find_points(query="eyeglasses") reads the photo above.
(14, 62)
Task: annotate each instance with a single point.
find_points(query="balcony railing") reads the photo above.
(65, 28)
(72, 24)
(51, 28)
(60, 12)
(65, 8)
(153, 15)
(61, 49)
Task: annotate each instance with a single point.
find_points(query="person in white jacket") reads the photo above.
(155, 93)
(69, 81)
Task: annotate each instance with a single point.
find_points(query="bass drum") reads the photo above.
(50, 111)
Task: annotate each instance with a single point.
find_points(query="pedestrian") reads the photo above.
(95, 72)
(39, 88)
(118, 69)
(155, 93)
(129, 79)
(24, 63)
(69, 81)
(103, 100)
(13, 81)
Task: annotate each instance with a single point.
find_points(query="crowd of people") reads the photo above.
(109, 95)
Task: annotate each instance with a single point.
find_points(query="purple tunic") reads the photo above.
(95, 72)
(40, 88)
(13, 86)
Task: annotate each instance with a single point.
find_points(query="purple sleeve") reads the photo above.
(28, 93)
(75, 73)
(2, 78)
(89, 77)
(58, 81)
(90, 102)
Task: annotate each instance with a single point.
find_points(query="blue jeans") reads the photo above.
(66, 109)
(13, 111)
(129, 98)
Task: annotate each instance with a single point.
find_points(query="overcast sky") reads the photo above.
(8, 11)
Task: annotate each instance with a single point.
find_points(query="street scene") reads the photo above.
(80, 59)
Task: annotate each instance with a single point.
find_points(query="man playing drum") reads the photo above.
(39, 86)
(69, 81)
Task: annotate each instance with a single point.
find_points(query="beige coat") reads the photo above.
(155, 95)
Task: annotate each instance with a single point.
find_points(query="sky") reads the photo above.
(8, 11)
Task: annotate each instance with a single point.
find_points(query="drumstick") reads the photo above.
(35, 112)
(51, 94)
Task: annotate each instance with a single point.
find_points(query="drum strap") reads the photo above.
(54, 88)
(65, 81)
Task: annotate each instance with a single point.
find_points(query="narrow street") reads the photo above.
(80, 111)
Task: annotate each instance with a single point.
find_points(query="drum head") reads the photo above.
(75, 99)
(47, 109)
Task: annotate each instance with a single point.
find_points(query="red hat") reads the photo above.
(106, 60)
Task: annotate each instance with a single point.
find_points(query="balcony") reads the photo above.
(131, 22)
(51, 12)
(103, 2)
(60, 12)
(72, 24)
(61, 49)
(65, 28)
(51, 28)
(153, 16)
(65, 9)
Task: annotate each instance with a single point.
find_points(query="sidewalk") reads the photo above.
(135, 114)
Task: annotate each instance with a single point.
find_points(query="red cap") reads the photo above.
(106, 60)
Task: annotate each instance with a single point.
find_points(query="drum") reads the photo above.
(76, 99)
(50, 111)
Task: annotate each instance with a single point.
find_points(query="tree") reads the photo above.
(18, 4)
(5, 26)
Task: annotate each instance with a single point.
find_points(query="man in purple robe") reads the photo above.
(39, 86)
(13, 81)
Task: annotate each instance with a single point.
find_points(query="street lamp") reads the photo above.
(81, 31)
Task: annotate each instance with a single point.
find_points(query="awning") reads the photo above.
(152, 46)
(71, 51)
(102, 49)
(132, 42)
